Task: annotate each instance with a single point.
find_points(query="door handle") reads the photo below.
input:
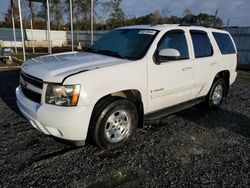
(187, 68)
(213, 64)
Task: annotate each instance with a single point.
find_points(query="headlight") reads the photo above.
(62, 95)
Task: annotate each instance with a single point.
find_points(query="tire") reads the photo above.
(217, 93)
(113, 123)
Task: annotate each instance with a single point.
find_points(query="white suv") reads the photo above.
(131, 73)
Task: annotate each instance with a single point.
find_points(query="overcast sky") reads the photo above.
(236, 10)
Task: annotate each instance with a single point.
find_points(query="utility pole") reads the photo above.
(13, 25)
(72, 29)
(31, 26)
(92, 22)
(48, 27)
(21, 24)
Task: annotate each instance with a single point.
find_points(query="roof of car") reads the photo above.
(168, 26)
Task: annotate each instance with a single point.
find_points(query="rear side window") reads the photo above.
(201, 44)
(225, 43)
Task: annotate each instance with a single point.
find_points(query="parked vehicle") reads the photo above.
(132, 73)
(6, 55)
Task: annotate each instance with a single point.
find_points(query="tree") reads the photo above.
(107, 15)
(104, 13)
(42, 13)
(187, 12)
(165, 13)
(8, 15)
(14, 6)
(116, 16)
(81, 13)
(56, 12)
(203, 19)
(157, 18)
(209, 20)
(188, 17)
(173, 20)
(75, 13)
(32, 11)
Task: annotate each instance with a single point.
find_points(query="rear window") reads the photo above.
(201, 44)
(225, 43)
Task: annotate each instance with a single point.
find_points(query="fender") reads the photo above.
(212, 79)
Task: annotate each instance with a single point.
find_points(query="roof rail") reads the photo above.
(185, 24)
(188, 24)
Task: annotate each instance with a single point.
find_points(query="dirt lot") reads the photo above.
(194, 148)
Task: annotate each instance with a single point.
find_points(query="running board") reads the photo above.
(173, 109)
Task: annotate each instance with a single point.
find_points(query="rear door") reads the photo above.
(204, 61)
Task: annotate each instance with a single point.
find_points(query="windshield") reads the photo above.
(125, 43)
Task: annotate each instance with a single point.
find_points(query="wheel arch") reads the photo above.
(225, 75)
(132, 95)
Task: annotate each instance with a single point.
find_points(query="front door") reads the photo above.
(170, 82)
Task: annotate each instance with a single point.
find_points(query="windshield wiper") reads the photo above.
(90, 50)
(111, 53)
(106, 52)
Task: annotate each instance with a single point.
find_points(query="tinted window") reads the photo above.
(125, 43)
(201, 43)
(225, 43)
(176, 40)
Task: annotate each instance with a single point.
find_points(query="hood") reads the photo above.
(54, 68)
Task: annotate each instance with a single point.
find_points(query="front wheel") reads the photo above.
(217, 93)
(114, 123)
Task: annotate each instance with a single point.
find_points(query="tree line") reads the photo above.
(107, 15)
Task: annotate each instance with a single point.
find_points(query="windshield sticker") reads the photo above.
(147, 32)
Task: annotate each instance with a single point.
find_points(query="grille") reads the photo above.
(32, 80)
(34, 96)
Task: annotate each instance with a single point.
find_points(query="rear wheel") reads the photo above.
(114, 123)
(217, 93)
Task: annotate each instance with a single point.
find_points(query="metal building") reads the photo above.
(241, 37)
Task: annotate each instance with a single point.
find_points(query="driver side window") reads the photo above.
(176, 40)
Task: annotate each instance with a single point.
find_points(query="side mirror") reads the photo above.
(168, 54)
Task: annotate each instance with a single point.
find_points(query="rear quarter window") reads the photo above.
(225, 43)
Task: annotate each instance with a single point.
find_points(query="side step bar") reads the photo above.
(173, 109)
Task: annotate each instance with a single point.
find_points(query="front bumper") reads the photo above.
(70, 123)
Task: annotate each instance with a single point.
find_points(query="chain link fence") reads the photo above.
(241, 37)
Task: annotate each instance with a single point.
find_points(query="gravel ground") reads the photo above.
(196, 147)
